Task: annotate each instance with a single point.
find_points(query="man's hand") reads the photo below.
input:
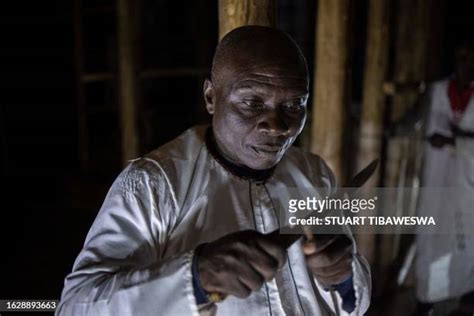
(239, 263)
(329, 258)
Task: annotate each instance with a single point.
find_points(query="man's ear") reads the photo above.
(209, 96)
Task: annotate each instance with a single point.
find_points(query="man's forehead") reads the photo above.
(259, 77)
(296, 85)
(265, 65)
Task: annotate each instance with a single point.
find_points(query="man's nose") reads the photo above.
(273, 123)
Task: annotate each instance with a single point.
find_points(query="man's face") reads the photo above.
(258, 111)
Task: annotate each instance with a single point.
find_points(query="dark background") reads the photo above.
(48, 200)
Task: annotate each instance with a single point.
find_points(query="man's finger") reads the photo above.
(274, 250)
(330, 247)
(249, 276)
(318, 243)
(236, 287)
(231, 282)
(264, 264)
(318, 261)
(334, 274)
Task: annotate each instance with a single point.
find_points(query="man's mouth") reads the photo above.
(267, 149)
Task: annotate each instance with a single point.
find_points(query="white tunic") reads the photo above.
(445, 261)
(137, 255)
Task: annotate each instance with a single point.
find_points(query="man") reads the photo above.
(445, 262)
(187, 223)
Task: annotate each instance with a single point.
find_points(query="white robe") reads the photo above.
(137, 255)
(445, 261)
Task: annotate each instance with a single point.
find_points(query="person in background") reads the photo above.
(445, 262)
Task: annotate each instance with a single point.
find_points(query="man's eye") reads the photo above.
(254, 105)
(294, 108)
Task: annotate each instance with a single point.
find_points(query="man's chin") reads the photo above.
(262, 164)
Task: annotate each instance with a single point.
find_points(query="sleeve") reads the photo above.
(199, 292)
(361, 277)
(361, 282)
(347, 293)
(121, 269)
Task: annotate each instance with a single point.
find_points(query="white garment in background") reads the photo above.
(445, 262)
(137, 256)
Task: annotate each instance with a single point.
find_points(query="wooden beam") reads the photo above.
(173, 72)
(149, 73)
(329, 105)
(127, 79)
(373, 101)
(235, 13)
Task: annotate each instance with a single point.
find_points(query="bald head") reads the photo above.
(257, 46)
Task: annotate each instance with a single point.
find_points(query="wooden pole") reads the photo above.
(329, 108)
(410, 52)
(235, 13)
(410, 68)
(373, 101)
(373, 97)
(127, 76)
